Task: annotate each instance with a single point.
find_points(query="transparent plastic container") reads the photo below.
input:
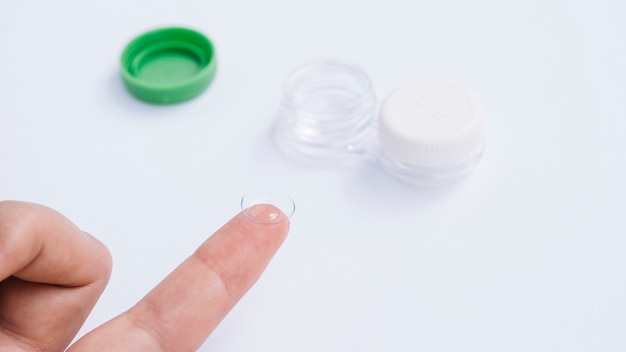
(427, 132)
(328, 107)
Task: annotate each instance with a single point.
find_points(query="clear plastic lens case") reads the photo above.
(327, 109)
(427, 132)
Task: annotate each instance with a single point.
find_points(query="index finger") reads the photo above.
(181, 312)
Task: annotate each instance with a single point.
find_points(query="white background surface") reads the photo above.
(528, 255)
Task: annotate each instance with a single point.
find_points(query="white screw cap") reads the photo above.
(430, 123)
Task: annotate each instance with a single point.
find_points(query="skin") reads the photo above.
(53, 274)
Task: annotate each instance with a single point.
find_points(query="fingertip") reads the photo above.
(268, 207)
(266, 223)
(33, 235)
(265, 214)
(105, 260)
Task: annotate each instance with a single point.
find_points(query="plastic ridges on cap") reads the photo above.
(431, 123)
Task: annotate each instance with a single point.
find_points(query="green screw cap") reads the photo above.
(168, 65)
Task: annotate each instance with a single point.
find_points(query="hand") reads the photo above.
(53, 273)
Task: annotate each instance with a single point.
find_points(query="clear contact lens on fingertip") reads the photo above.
(268, 206)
